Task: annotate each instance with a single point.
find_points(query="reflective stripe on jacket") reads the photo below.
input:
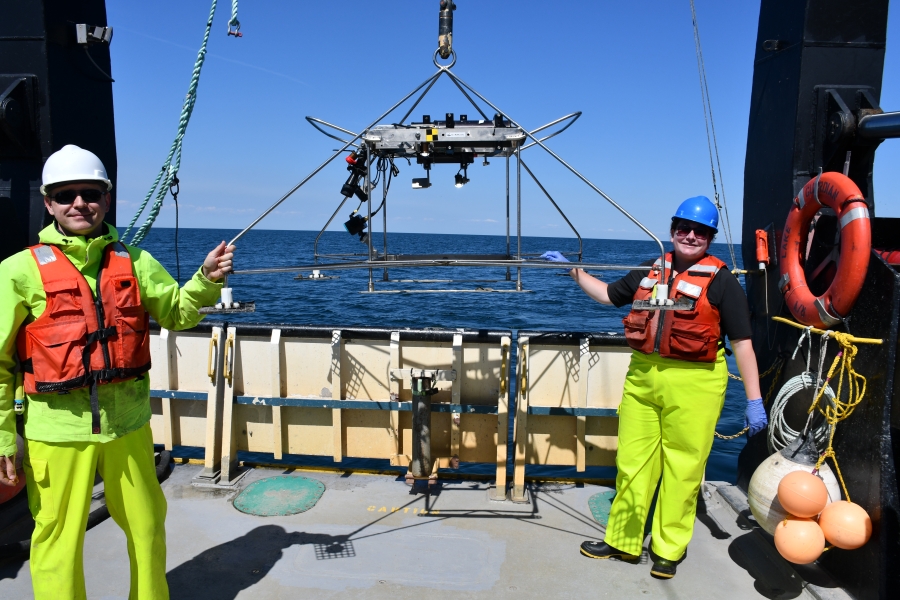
(691, 335)
(124, 406)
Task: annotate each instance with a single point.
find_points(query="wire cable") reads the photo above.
(93, 62)
(780, 433)
(174, 189)
(711, 142)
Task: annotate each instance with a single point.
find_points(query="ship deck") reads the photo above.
(372, 536)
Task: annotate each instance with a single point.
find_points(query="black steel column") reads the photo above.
(804, 48)
(421, 461)
(56, 96)
(817, 74)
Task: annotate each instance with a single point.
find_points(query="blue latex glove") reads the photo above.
(755, 416)
(554, 256)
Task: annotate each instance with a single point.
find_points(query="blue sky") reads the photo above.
(629, 66)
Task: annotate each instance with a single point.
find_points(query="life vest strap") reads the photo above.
(101, 334)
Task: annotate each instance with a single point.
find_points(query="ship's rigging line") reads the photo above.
(714, 163)
(168, 172)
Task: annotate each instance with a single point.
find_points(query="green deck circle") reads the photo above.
(279, 496)
(600, 505)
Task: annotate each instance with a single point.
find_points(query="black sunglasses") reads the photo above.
(701, 232)
(66, 197)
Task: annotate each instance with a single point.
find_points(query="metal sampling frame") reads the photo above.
(448, 141)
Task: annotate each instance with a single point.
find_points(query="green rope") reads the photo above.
(173, 160)
(234, 20)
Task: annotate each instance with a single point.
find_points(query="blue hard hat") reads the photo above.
(699, 209)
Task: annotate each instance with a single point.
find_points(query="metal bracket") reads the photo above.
(92, 34)
(433, 374)
(680, 304)
(242, 307)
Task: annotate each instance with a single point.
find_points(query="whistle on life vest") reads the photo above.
(19, 395)
(762, 248)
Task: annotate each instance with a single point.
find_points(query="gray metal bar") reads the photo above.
(574, 116)
(369, 160)
(507, 216)
(469, 98)
(314, 402)
(475, 291)
(446, 280)
(604, 195)
(333, 156)
(880, 127)
(558, 209)
(313, 120)
(566, 411)
(419, 99)
(384, 191)
(396, 264)
(333, 215)
(420, 461)
(518, 217)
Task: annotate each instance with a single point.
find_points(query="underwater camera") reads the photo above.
(356, 164)
(356, 225)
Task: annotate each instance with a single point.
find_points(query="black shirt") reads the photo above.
(724, 292)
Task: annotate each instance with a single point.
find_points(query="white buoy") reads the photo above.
(762, 495)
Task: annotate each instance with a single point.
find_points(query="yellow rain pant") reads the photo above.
(666, 424)
(60, 481)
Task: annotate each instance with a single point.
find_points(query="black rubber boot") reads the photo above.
(603, 550)
(663, 568)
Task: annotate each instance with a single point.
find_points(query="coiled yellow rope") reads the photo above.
(839, 410)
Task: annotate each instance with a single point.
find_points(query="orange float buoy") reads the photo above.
(802, 494)
(799, 540)
(846, 525)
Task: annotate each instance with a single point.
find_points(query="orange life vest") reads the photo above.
(691, 335)
(81, 340)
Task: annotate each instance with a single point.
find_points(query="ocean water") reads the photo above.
(555, 302)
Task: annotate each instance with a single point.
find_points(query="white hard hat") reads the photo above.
(72, 163)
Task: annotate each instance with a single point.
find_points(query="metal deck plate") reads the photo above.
(279, 496)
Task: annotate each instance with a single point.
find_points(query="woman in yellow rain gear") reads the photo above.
(675, 387)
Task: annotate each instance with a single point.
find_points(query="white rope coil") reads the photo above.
(780, 433)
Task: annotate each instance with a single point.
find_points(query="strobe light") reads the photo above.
(461, 178)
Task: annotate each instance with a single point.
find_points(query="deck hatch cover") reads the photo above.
(279, 496)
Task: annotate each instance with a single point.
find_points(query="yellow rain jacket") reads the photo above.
(124, 406)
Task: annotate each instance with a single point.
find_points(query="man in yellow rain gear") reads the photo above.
(675, 386)
(74, 323)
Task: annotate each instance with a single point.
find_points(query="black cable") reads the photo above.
(174, 188)
(91, 58)
(382, 167)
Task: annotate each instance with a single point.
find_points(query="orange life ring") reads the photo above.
(839, 193)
